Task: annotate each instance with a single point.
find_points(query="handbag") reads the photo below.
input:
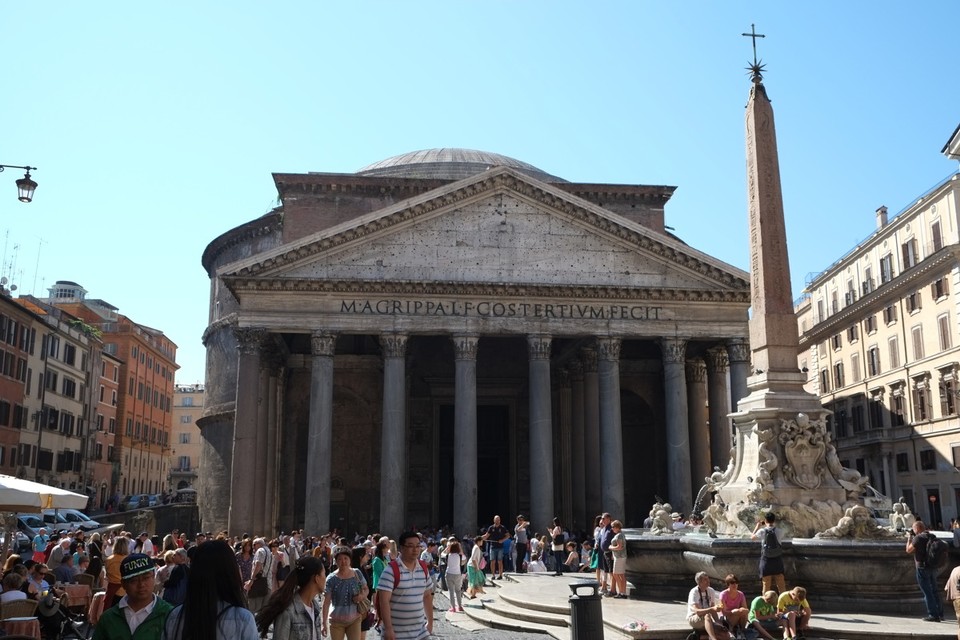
(259, 588)
(363, 606)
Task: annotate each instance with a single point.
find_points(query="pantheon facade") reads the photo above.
(450, 334)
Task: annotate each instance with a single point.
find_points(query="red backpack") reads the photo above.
(395, 568)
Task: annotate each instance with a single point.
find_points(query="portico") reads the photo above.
(492, 345)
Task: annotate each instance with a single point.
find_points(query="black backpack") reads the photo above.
(936, 556)
(771, 545)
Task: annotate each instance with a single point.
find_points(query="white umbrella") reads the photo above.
(24, 495)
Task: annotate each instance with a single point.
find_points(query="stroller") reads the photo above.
(57, 622)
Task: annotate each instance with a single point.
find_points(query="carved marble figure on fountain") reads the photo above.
(850, 479)
(857, 523)
(902, 518)
(766, 435)
(662, 522)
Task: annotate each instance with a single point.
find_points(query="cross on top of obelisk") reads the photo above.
(756, 68)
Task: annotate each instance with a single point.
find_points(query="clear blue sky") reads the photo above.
(156, 126)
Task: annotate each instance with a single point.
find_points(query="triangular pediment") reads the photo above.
(497, 228)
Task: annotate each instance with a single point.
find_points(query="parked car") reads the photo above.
(135, 501)
(30, 524)
(73, 518)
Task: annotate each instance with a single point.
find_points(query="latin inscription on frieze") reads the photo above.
(488, 309)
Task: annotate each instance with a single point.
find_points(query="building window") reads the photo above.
(184, 438)
(824, 381)
(820, 314)
(943, 330)
(870, 323)
(893, 349)
(876, 412)
(939, 288)
(867, 284)
(834, 304)
(873, 361)
(917, 333)
(921, 398)
(836, 342)
(897, 414)
(69, 387)
(186, 419)
(853, 334)
(935, 236)
(856, 417)
(186, 401)
(913, 302)
(838, 381)
(903, 463)
(840, 420)
(948, 395)
(69, 354)
(890, 314)
(928, 460)
(855, 367)
(112, 425)
(909, 252)
(886, 268)
(851, 295)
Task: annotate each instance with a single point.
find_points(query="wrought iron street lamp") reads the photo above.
(25, 185)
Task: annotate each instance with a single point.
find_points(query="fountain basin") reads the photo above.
(839, 575)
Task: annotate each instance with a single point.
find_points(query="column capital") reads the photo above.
(608, 348)
(322, 343)
(465, 346)
(588, 355)
(696, 370)
(738, 350)
(249, 340)
(394, 345)
(539, 346)
(575, 367)
(674, 350)
(717, 360)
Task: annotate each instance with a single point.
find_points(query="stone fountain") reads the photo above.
(783, 459)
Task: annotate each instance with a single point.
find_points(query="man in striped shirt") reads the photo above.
(405, 594)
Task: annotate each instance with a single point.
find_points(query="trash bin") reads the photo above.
(586, 611)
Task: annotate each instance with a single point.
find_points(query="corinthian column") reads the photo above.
(696, 372)
(591, 433)
(718, 394)
(675, 404)
(738, 351)
(393, 463)
(465, 435)
(577, 476)
(541, 432)
(320, 433)
(611, 434)
(244, 481)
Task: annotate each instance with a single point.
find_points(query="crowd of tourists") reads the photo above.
(300, 587)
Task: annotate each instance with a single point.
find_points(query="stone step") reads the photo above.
(480, 611)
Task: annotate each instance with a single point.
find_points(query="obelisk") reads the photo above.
(782, 454)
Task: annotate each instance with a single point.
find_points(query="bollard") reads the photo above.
(586, 612)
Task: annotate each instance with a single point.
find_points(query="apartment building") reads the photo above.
(144, 388)
(58, 383)
(185, 450)
(880, 341)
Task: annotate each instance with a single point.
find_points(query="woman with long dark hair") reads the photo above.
(215, 608)
(95, 551)
(294, 610)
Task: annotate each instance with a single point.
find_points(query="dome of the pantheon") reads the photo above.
(449, 164)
